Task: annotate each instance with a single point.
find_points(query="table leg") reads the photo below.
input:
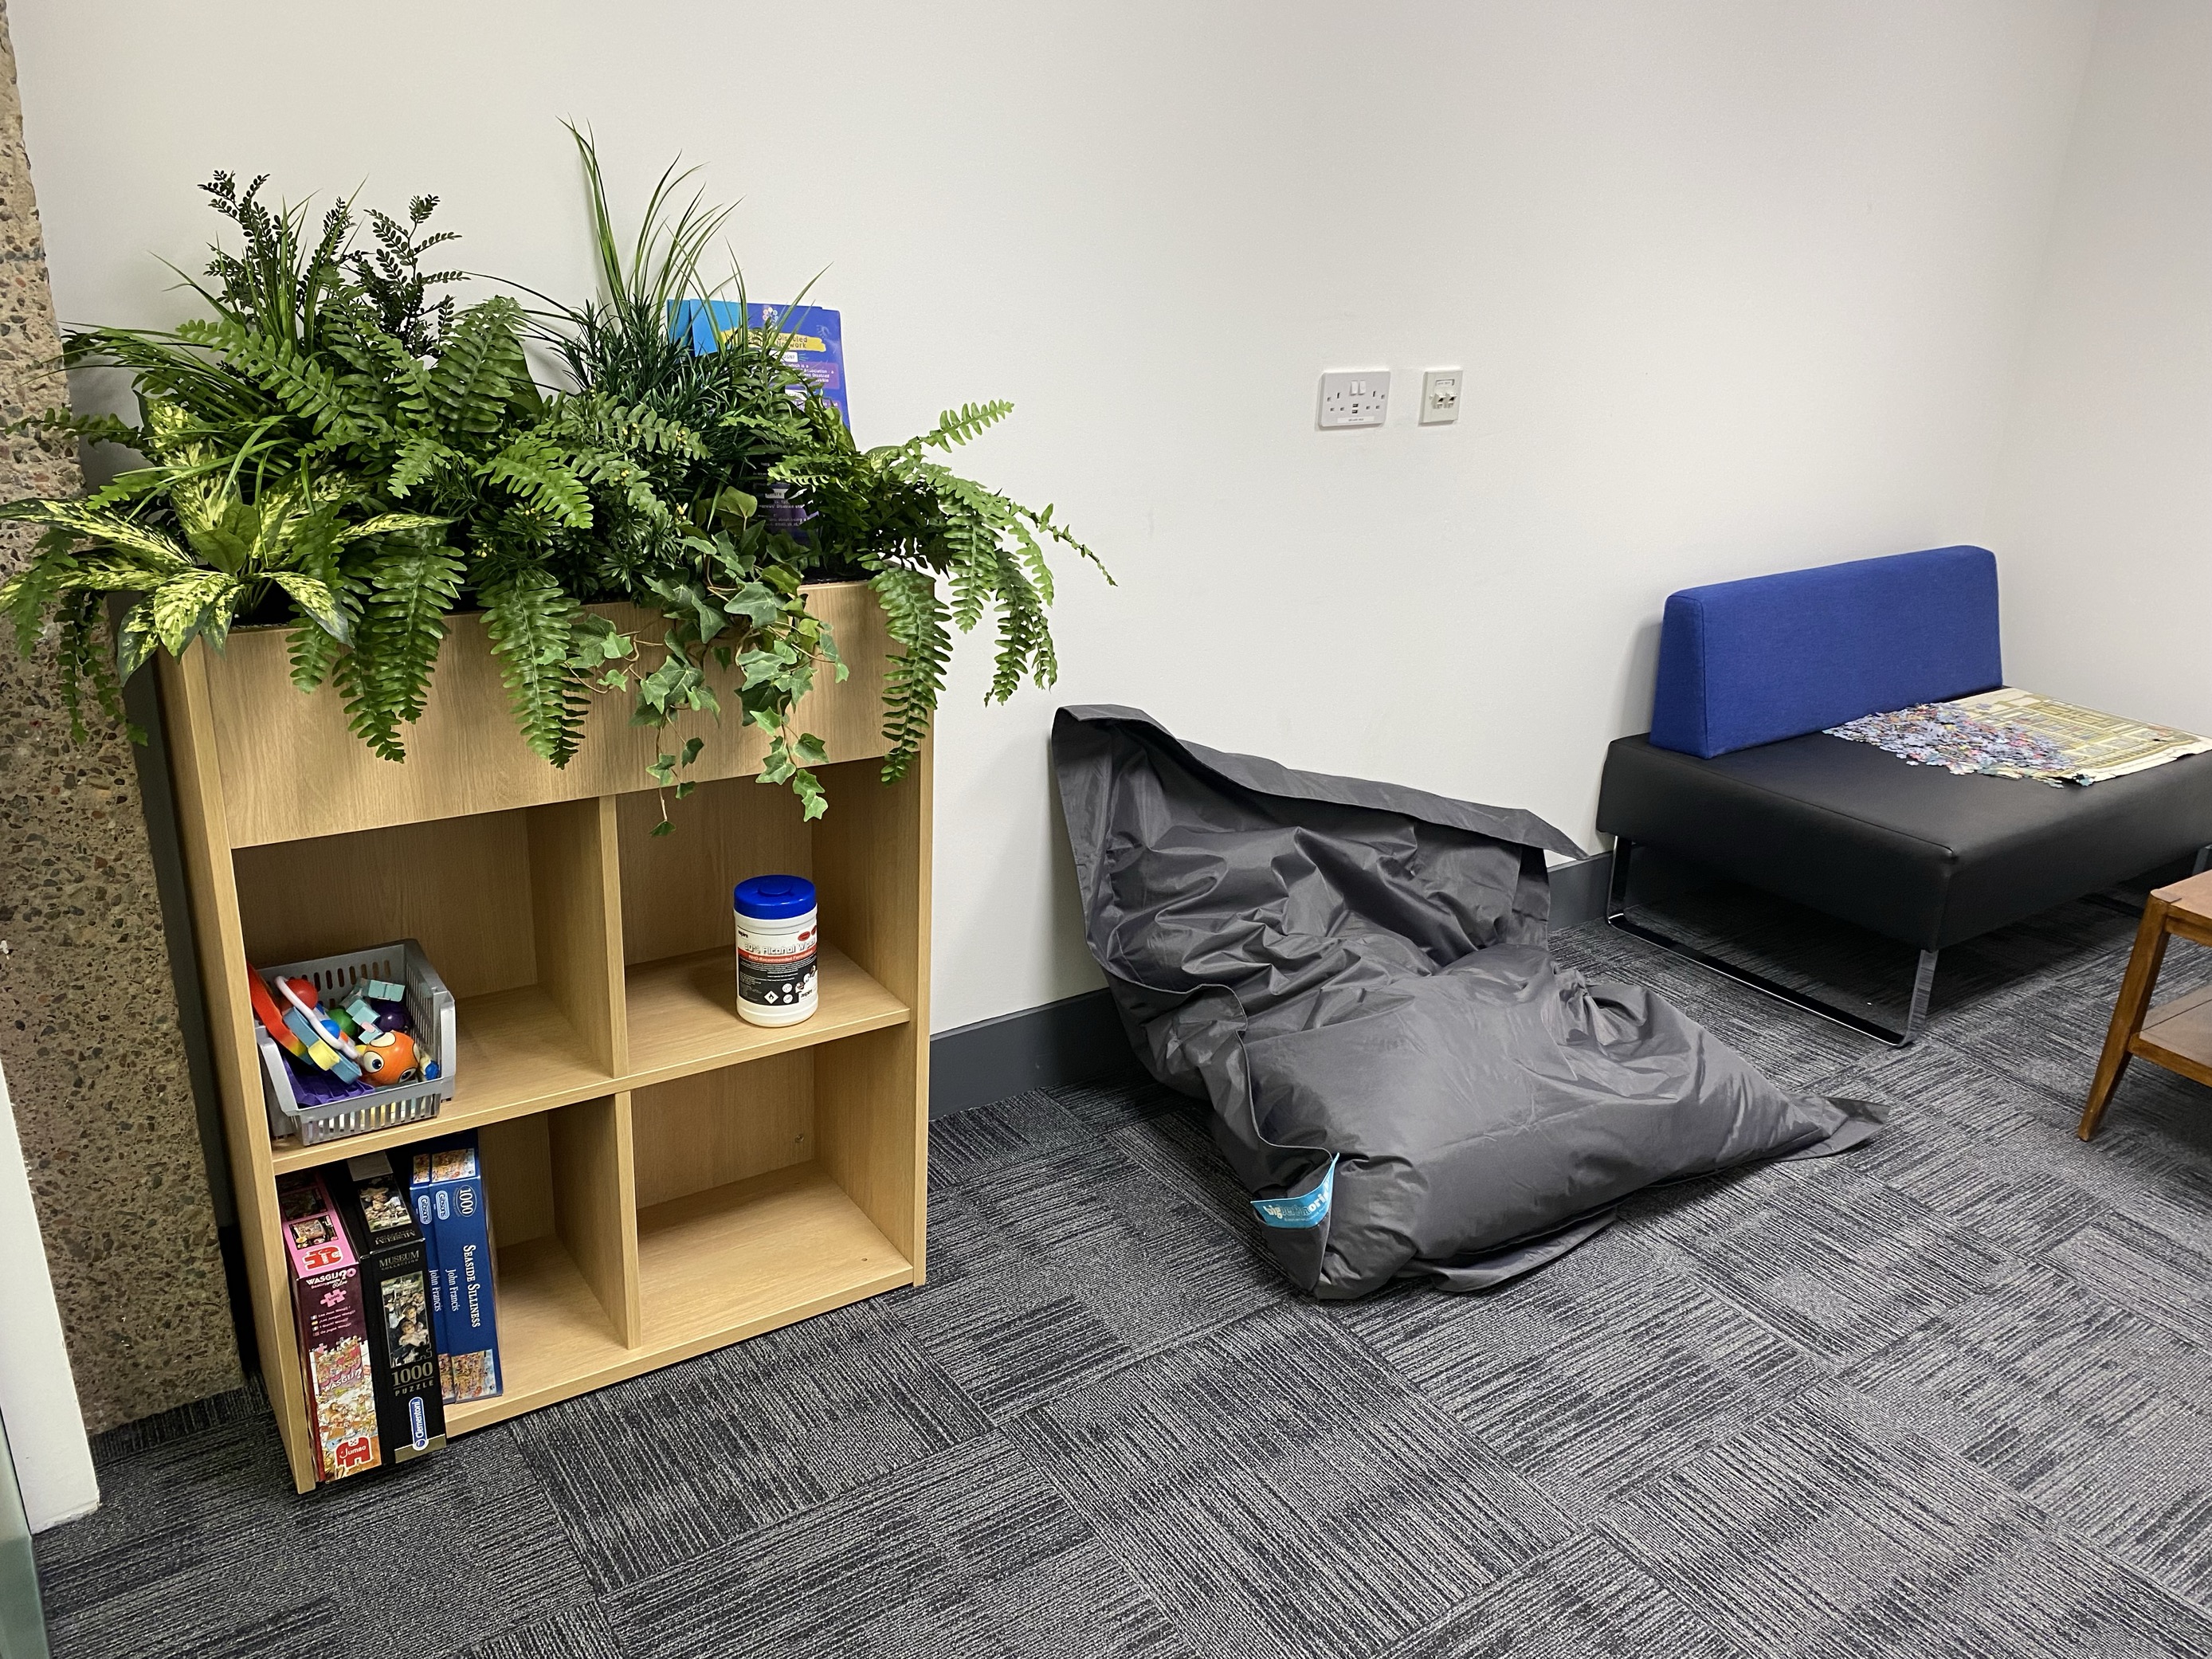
(2128, 1011)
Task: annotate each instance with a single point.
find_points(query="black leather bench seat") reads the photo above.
(1910, 852)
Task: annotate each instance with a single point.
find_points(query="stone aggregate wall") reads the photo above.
(89, 1035)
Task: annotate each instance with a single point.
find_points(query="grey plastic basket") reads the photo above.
(429, 1004)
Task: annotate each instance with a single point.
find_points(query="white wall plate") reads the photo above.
(1440, 392)
(1354, 396)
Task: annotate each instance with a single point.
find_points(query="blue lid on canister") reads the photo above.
(773, 898)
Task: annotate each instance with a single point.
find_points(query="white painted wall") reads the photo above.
(38, 1394)
(2104, 504)
(1737, 286)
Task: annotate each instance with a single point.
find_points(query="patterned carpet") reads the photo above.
(1949, 1394)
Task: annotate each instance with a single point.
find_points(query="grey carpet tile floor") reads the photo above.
(1949, 1394)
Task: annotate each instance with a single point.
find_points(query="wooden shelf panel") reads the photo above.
(554, 1339)
(464, 755)
(518, 1055)
(714, 1268)
(2178, 1035)
(735, 1260)
(684, 1014)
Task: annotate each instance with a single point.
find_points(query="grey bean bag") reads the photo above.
(1357, 978)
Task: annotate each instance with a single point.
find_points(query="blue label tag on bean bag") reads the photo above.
(1306, 1209)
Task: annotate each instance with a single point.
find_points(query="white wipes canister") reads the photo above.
(776, 943)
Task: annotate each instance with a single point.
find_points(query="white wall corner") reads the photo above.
(2102, 505)
(38, 1394)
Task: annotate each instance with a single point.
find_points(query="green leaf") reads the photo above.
(104, 573)
(134, 639)
(476, 372)
(392, 524)
(755, 602)
(185, 605)
(385, 677)
(673, 687)
(63, 423)
(530, 621)
(83, 658)
(301, 384)
(314, 647)
(690, 606)
(916, 618)
(28, 595)
(958, 425)
(420, 460)
(316, 601)
(534, 468)
(219, 527)
(160, 554)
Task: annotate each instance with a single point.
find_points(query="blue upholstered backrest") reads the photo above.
(1774, 657)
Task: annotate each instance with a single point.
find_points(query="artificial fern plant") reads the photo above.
(334, 446)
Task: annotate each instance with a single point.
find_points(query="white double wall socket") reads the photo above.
(1354, 396)
(1439, 396)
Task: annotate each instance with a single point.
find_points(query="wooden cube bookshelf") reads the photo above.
(663, 1178)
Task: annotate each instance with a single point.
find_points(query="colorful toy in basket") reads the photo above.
(353, 1042)
(390, 1059)
(333, 1053)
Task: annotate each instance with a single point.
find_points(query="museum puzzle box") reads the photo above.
(372, 1201)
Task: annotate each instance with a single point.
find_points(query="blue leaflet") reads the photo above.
(813, 337)
(1306, 1209)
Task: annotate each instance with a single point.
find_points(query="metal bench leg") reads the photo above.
(1923, 975)
(1923, 981)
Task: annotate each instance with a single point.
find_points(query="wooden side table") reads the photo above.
(2177, 1035)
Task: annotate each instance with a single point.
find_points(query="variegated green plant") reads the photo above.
(191, 551)
(329, 436)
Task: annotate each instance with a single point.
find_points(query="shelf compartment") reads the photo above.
(675, 887)
(518, 1055)
(684, 1014)
(553, 1333)
(516, 910)
(561, 1182)
(713, 1128)
(715, 1267)
(733, 1261)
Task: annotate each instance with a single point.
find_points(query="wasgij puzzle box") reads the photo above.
(372, 1201)
(333, 1329)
